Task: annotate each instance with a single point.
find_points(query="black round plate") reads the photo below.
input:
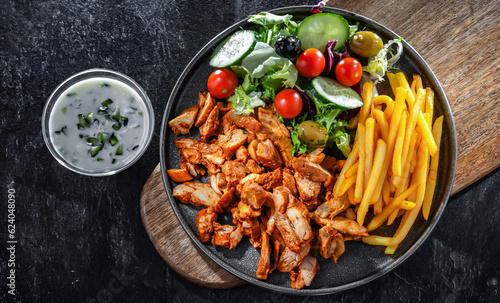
(360, 263)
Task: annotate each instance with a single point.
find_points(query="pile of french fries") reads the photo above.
(394, 161)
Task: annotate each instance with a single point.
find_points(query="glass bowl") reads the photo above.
(101, 128)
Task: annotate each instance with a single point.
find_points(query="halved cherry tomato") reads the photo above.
(348, 71)
(222, 82)
(288, 103)
(310, 63)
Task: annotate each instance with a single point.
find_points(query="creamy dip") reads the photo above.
(98, 124)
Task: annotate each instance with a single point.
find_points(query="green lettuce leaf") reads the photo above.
(244, 103)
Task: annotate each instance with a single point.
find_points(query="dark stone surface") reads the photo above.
(81, 239)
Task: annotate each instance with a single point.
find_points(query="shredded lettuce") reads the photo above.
(260, 53)
(244, 103)
(264, 70)
(378, 65)
(273, 26)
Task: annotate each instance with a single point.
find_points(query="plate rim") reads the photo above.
(261, 283)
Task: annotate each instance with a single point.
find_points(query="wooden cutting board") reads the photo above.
(459, 41)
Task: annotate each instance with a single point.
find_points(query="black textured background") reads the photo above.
(76, 234)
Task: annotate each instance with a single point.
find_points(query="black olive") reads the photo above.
(288, 47)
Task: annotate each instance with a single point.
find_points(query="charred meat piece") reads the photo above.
(307, 270)
(207, 104)
(268, 155)
(208, 128)
(182, 123)
(300, 224)
(253, 194)
(331, 208)
(285, 227)
(281, 197)
(270, 179)
(226, 235)
(254, 167)
(242, 154)
(289, 181)
(225, 201)
(179, 174)
(316, 156)
(277, 131)
(331, 243)
(231, 141)
(311, 170)
(290, 259)
(234, 171)
(246, 211)
(264, 265)
(196, 193)
(308, 189)
(341, 224)
(205, 220)
(193, 169)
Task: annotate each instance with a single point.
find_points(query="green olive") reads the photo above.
(366, 44)
(313, 134)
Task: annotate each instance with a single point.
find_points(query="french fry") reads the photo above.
(369, 143)
(366, 95)
(419, 82)
(359, 187)
(378, 162)
(429, 101)
(353, 156)
(410, 97)
(389, 250)
(389, 104)
(397, 168)
(350, 195)
(410, 216)
(348, 183)
(378, 220)
(382, 123)
(393, 81)
(402, 182)
(353, 170)
(416, 83)
(386, 192)
(377, 207)
(413, 117)
(431, 180)
(407, 205)
(353, 122)
(393, 127)
(427, 134)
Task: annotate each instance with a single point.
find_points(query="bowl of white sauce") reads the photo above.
(98, 122)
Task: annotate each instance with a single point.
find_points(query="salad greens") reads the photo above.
(378, 65)
(265, 74)
(328, 116)
(273, 26)
(245, 103)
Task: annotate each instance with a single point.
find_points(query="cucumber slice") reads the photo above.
(234, 49)
(316, 30)
(328, 90)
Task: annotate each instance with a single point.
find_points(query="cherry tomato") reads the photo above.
(222, 82)
(310, 63)
(348, 71)
(288, 103)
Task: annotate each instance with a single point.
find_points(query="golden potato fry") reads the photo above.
(431, 181)
(427, 134)
(397, 168)
(378, 163)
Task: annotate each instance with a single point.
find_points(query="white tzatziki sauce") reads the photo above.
(98, 124)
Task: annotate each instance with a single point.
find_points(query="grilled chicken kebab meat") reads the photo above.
(284, 204)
